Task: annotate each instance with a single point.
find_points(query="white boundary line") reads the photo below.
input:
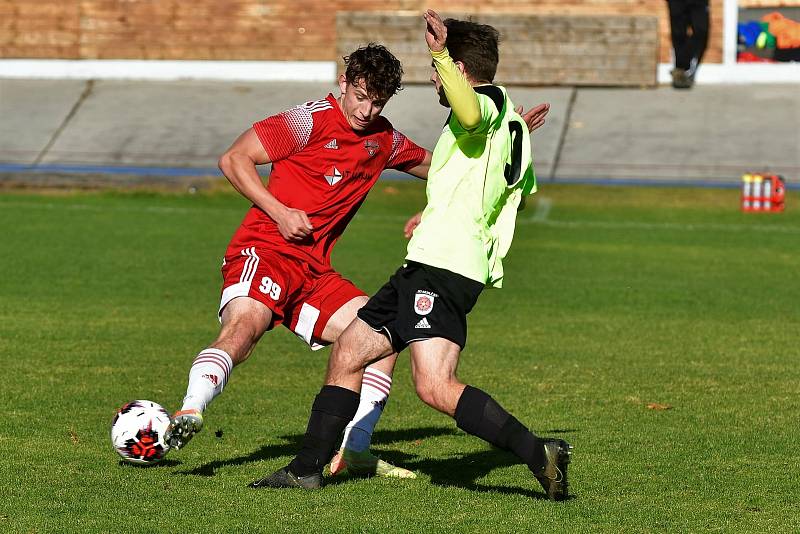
(316, 71)
(135, 69)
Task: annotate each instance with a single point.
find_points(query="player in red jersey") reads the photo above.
(326, 155)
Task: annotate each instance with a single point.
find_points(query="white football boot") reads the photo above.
(182, 428)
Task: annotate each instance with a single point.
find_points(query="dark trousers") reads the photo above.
(683, 15)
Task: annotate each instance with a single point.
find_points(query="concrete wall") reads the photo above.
(611, 50)
(250, 29)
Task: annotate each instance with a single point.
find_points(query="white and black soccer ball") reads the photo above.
(137, 432)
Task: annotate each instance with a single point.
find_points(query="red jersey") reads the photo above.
(322, 166)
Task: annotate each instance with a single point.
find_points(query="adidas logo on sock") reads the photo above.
(211, 378)
(423, 323)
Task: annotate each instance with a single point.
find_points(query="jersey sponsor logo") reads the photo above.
(371, 146)
(423, 323)
(423, 302)
(332, 145)
(333, 176)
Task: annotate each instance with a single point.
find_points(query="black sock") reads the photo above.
(333, 408)
(479, 414)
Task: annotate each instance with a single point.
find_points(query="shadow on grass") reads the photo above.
(463, 471)
(460, 471)
(293, 441)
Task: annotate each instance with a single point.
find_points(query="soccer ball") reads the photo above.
(137, 432)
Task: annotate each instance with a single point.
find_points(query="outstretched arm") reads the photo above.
(238, 164)
(458, 90)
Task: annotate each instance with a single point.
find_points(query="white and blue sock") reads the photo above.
(375, 388)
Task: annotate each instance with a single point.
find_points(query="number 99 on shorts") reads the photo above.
(268, 287)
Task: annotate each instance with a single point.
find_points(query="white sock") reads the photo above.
(375, 388)
(207, 377)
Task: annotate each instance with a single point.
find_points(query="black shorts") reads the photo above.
(422, 302)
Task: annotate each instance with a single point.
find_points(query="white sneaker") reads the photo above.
(365, 464)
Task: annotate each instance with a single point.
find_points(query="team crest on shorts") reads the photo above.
(423, 302)
(371, 145)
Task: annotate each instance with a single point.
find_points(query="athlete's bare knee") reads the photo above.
(427, 396)
(346, 357)
(357, 347)
(427, 391)
(440, 391)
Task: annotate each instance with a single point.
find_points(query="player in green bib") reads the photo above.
(480, 171)
(477, 178)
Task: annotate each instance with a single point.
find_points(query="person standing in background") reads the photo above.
(689, 23)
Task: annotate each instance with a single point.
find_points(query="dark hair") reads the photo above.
(380, 70)
(475, 45)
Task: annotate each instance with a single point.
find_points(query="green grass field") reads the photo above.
(655, 329)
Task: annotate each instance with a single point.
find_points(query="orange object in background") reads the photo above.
(763, 192)
(785, 30)
(777, 192)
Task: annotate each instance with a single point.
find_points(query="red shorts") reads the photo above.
(301, 300)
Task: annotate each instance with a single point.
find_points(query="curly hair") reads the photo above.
(381, 71)
(476, 46)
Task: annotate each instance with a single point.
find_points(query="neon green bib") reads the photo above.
(475, 184)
